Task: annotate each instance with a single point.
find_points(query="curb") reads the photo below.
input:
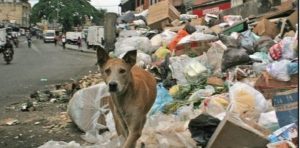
(75, 48)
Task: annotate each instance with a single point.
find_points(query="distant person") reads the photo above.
(55, 40)
(9, 46)
(29, 40)
(79, 42)
(63, 40)
(15, 40)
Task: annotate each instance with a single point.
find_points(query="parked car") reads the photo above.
(49, 36)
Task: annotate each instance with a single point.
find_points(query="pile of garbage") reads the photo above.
(219, 78)
(59, 93)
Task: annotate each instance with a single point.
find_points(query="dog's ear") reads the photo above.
(102, 56)
(130, 57)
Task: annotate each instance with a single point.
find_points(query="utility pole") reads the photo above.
(110, 20)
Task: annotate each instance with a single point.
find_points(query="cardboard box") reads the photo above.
(216, 29)
(293, 20)
(269, 86)
(193, 48)
(176, 23)
(215, 81)
(198, 21)
(286, 107)
(265, 27)
(176, 2)
(174, 29)
(161, 14)
(233, 133)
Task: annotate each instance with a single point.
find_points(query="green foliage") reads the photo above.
(70, 13)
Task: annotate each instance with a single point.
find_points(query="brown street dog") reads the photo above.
(133, 92)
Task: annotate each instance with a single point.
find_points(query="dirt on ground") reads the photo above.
(42, 117)
(29, 129)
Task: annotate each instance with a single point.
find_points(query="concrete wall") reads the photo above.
(18, 12)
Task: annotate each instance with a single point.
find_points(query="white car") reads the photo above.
(49, 36)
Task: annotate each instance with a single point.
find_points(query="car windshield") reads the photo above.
(50, 34)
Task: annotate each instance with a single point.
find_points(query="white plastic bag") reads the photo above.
(156, 41)
(85, 107)
(287, 47)
(187, 16)
(196, 36)
(129, 33)
(203, 29)
(215, 105)
(279, 70)
(142, 58)
(202, 93)
(269, 120)
(137, 43)
(143, 13)
(167, 36)
(195, 72)
(244, 98)
(177, 65)
(232, 19)
(185, 112)
(60, 144)
(139, 23)
(215, 57)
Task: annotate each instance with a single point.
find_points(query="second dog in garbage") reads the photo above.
(133, 92)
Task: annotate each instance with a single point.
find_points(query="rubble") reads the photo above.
(11, 121)
(235, 68)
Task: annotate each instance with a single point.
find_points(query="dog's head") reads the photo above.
(116, 72)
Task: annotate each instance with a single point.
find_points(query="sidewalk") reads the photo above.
(83, 49)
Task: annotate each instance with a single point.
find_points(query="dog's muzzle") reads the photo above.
(113, 86)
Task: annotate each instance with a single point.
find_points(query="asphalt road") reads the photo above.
(41, 65)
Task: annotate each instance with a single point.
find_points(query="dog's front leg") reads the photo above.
(119, 122)
(135, 131)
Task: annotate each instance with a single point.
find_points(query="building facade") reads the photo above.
(139, 5)
(15, 13)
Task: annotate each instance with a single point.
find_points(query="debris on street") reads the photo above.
(11, 121)
(220, 76)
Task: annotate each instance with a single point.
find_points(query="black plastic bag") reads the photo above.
(202, 128)
(233, 57)
(264, 44)
(247, 40)
(189, 28)
(229, 41)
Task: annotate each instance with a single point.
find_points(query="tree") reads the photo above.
(69, 13)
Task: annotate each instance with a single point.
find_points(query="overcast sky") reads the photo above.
(110, 5)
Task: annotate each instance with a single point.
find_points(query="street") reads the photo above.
(38, 66)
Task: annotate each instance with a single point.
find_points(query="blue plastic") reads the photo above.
(293, 68)
(162, 98)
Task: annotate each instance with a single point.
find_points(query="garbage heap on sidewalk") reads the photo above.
(222, 80)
